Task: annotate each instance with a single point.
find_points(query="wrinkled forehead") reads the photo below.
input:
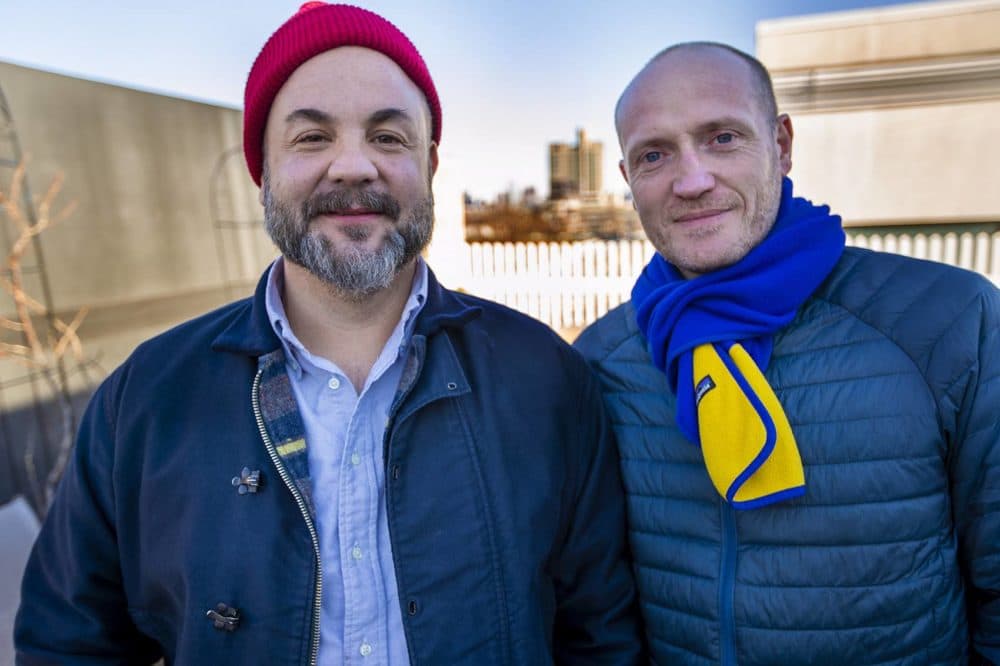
(686, 78)
(351, 78)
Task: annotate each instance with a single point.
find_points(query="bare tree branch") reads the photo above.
(60, 337)
(24, 305)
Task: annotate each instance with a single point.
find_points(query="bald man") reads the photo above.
(809, 434)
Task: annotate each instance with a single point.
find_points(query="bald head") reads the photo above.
(704, 153)
(724, 56)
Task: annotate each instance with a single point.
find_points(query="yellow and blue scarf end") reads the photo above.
(749, 448)
(767, 500)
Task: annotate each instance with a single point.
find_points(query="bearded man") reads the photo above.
(355, 465)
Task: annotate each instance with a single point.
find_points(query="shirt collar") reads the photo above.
(296, 353)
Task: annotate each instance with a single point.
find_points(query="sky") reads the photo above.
(512, 76)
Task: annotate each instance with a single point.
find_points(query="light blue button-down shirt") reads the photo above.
(361, 622)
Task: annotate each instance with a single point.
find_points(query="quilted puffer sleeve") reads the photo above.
(975, 475)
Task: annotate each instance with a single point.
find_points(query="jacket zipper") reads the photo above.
(727, 586)
(283, 473)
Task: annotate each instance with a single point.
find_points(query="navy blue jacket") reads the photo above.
(505, 507)
(890, 377)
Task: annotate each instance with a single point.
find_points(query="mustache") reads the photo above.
(343, 199)
(700, 205)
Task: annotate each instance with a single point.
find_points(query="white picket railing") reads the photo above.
(975, 251)
(565, 285)
(569, 285)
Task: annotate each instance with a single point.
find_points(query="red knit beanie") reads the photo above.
(315, 28)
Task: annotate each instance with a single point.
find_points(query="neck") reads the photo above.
(350, 333)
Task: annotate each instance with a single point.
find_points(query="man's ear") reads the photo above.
(784, 137)
(432, 159)
(621, 167)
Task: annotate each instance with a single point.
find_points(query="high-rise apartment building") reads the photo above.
(575, 170)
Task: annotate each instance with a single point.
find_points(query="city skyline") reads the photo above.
(575, 168)
(512, 78)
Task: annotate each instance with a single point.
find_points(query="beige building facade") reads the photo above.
(893, 111)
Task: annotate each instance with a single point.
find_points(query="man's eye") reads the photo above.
(388, 139)
(310, 138)
(652, 157)
(725, 137)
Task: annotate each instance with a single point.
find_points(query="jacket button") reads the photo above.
(412, 607)
(395, 472)
(224, 618)
(248, 481)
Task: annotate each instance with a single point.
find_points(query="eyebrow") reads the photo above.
(317, 116)
(312, 115)
(637, 149)
(385, 115)
(711, 125)
(726, 121)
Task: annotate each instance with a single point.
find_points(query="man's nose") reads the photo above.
(352, 164)
(693, 177)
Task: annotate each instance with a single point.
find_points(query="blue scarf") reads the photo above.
(745, 303)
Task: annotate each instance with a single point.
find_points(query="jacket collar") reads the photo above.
(444, 309)
(250, 331)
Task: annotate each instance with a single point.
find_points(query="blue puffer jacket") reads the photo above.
(505, 507)
(890, 376)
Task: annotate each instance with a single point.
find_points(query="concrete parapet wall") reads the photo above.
(891, 109)
(139, 166)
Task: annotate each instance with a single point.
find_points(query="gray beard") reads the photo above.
(353, 272)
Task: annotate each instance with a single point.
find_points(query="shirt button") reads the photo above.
(355, 459)
(365, 649)
(356, 552)
(334, 383)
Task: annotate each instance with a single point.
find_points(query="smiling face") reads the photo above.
(703, 158)
(347, 170)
